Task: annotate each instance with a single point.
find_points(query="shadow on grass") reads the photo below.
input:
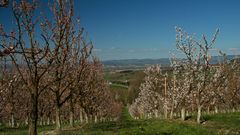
(115, 126)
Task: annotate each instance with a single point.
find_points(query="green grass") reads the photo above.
(127, 126)
(224, 123)
(144, 127)
(220, 124)
(22, 130)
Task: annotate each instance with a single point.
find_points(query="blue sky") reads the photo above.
(126, 29)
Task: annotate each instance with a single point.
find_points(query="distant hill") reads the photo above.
(136, 62)
(141, 63)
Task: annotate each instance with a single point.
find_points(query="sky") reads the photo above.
(137, 29)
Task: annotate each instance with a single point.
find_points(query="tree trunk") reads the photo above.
(86, 117)
(165, 96)
(208, 110)
(44, 122)
(48, 120)
(156, 113)
(71, 113)
(58, 120)
(12, 121)
(216, 109)
(171, 113)
(199, 114)
(26, 121)
(90, 118)
(71, 118)
(41, 121)
(165, 112)
(81, 115)
(95, 119)
(183, 116)
(32, 130)
(233, 109)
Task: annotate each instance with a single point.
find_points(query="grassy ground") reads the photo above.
(220, 124)
(226, 123)
(22, 130)
(127, 126)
